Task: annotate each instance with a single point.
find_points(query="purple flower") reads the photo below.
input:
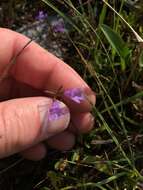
(58, 26)
(75, 94)
(56, 111)
(41, 16)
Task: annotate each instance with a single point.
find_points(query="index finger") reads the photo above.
(40, 69)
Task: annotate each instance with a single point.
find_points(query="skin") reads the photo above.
(36, 69)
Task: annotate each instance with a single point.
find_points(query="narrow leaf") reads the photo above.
(115, 41)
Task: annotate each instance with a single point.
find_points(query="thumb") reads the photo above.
(25, 122)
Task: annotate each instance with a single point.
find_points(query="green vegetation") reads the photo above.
(106, 41)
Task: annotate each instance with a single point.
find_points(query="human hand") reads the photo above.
(23, 125)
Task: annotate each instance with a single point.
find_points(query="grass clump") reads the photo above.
(108, 51)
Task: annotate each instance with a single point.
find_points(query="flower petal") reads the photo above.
(75, 94)
(56, 111)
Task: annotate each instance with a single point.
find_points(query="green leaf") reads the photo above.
(115, 41)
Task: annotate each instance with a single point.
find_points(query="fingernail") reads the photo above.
(92, 99)
(90, 96)
(55, 118)
(92, 121)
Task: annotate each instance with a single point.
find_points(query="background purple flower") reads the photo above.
(75, 94)
(41, 15)
(58, 26)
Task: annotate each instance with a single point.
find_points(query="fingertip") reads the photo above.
(82, 123)
(35, 153)
(63, 141)
(90, 98)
